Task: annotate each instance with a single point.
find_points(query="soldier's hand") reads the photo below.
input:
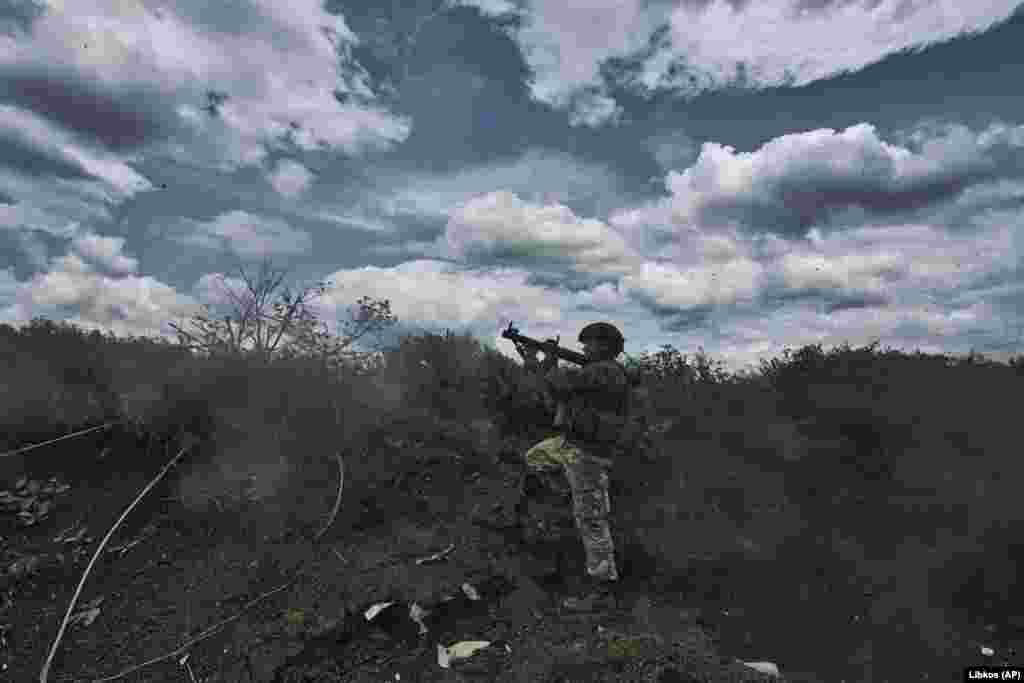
(530, 363)
(550, 350)
(529, 355)
(557, 382)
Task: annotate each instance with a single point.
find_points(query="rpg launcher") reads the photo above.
(549, 347)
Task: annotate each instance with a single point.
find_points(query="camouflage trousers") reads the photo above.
(587, 476)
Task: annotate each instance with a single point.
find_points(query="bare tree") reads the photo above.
(311, 337)
(272, 321)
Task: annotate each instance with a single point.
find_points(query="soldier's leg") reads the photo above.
(541, 462)
(591, 508)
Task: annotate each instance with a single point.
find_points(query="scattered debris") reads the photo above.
(763, 667)
(416, 613)
(470, 592)
(88, 614)
(44, 674)
(461, 650)
(374, 610)
(147, 532)
(436, 557)
(183, 662)
(23, 566)
(78, 536)
(31, 500)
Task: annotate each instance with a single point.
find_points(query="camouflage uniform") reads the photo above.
(592, 411)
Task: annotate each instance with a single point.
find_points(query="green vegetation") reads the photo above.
(625, 648)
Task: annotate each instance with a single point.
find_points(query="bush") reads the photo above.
(439, 373)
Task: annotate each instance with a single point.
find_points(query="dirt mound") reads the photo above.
(175, 574)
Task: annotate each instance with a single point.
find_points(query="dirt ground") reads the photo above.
(180, 564)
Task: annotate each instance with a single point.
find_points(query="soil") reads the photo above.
(180, 564)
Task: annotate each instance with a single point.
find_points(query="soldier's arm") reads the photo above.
(535, 380)
(560, 382)
(592, 377)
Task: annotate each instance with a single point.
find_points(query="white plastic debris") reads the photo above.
(763, 667)
(987, 651)
(88, 614)
(436, 557)
(461, 650)
(416, 613)
(377, 609)
(470, 592)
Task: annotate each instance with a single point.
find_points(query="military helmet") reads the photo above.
(604, 332)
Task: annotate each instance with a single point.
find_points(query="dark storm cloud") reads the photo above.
(466, 79)
(795, 181)
(844, 302)
(676, 320)
(26, 251)
(26, 157)
(572, 282)
(16, 16)
(118, 117)
(673, 318)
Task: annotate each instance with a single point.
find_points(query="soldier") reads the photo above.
(592, 406)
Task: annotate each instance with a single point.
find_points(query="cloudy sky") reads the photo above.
(737, 175)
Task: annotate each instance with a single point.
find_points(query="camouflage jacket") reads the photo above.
(593, 402)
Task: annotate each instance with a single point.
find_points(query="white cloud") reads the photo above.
(650, 220)
(564, 44)
(248, 235)
(77, 181)
(673, 149)
(849, 271)
(99, 87)
(290, 178)
(795, 180)
(56, 206)
(501, 225)
(105, 252)
(537, 176)
(906, 283)
(904, 327)
(490, 8)
(775, 42)
(436, 292)
(771, 42)
(23, 127)
(594, 109)
(670, 285)
(123, 304)
(278, 66)
(901, 260)
(604, 297)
